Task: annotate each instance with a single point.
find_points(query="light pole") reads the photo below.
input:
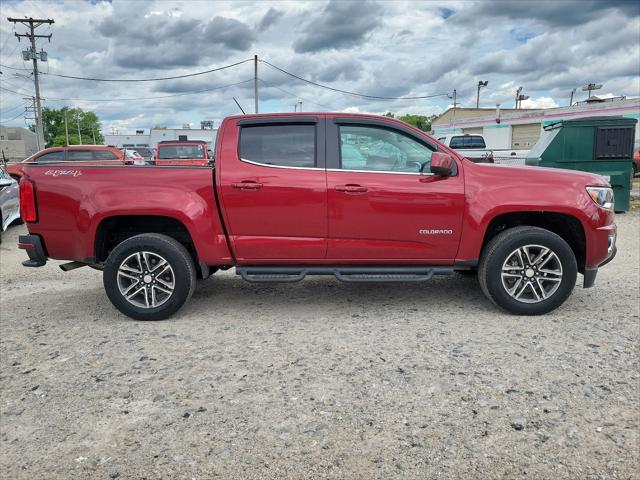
(518, 96)
(591, 86)
(571, 99)
(480, 85)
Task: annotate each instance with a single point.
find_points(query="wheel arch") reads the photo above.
(115, 229)
(568, 227)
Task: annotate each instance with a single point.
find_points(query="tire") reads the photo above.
(149, 269)
(545, 288)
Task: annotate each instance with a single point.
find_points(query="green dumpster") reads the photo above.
(602, 145)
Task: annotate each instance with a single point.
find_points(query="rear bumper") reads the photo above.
(33, 246)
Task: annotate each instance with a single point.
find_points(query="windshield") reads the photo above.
(180, 151)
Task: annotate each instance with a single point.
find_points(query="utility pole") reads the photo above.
(571, 98)
(32, 24)
(300, 103)
(79, 134)
(480, 85)
(32, 108)
(94, 135)
(66, 127)
(255, 81)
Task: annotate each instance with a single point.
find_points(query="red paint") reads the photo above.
(313, 216)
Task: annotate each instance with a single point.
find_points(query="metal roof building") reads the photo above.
(520, 129)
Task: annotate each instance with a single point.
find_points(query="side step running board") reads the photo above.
(349, 274)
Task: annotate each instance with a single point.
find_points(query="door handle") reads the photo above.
(350, 188)
(247, 185)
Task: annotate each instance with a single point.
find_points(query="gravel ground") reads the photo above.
(319, 380)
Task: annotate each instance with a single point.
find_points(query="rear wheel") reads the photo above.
(149, 276)
(527, 270)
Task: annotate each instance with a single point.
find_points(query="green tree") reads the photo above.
(54, 131)
(423, 122)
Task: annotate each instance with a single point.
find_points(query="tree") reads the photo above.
(423, 122)
(54, 131)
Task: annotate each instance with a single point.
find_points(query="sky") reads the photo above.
(376, 48)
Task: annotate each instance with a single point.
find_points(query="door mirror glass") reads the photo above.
(442, 164)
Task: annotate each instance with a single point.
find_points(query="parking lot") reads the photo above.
(319, 380)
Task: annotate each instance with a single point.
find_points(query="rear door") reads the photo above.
(273, 188)
(382, 209)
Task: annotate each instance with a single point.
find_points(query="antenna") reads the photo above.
(241, 109)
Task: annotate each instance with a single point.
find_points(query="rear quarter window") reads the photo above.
(280, 145)
(79, 155)
(104, 155)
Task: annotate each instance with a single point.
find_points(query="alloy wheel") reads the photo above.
(146, 279)
(531, 274)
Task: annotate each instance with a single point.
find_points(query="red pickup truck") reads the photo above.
(360, 197)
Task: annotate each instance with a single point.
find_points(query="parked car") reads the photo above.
(281, 204)
(87, 154)
(147, 153)
(182, 152)
(132, 157)
(636, 162)
(9, 201)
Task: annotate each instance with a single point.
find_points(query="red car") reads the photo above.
(183, 152)
(284, 201)
(93, 154)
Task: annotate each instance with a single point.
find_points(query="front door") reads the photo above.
(381, 207)
(274, 190)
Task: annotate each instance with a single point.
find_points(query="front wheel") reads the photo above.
(149, 276)
(527, 270)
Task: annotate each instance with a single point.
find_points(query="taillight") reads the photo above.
(28, 210)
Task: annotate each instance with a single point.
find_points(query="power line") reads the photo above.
(294, 95)
(355, 94)
(151, 98)
(13, 91)
(17, 116)
(139, 79)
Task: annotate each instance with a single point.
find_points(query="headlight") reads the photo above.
(603, 196)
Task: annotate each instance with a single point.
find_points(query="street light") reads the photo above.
(518, 95)
(480, 85)
(521, 98)
(591, 86)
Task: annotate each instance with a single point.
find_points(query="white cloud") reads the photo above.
(540, 102)
(401, 48)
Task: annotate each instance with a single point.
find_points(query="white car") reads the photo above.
(9, 200)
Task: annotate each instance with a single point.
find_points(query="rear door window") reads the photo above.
(57, 156)
(281, 145)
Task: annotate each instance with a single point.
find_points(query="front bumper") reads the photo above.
(33, 246)
(591, 273)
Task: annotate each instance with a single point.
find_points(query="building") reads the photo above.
(150, 138)
(17, 143)
(520, 129)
